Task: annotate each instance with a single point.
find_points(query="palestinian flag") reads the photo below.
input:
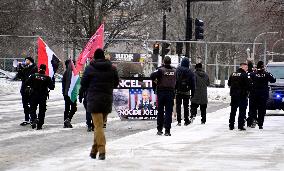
(72, 82)
(47, 56)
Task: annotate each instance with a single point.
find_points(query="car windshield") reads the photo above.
(276, 71)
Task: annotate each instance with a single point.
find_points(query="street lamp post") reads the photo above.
(274, 46)
(253, 49)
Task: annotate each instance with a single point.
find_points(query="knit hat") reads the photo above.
(42, 67)
(99, 54)
(199, 65)
(260, 65)
(30, 59)
(167, 60)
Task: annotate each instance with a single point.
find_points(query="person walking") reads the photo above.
(260, 91)
(70, 107)
(166, 81)
(239, 88)
(24, 71)
(200, 95)
(185, 87)
(99, 80)
(40, 85)
(89, 122)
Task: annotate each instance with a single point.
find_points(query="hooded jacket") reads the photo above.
(99, 80)
(185, 76)
(201, 84)
(24, 72)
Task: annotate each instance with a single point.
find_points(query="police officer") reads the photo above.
(166, 80)
(185, 86)
(40, 85)
(260, 91)
(24, 71)
(251, 115)
(239, 87)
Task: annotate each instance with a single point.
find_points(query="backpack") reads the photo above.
(183, 82)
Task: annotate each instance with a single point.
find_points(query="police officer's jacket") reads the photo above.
(260, 79)
(239, 83)
(166, 78)
(40, 84)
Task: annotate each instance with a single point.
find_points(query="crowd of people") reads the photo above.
(183, 84)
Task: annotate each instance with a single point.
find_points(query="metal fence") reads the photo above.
(219, 58)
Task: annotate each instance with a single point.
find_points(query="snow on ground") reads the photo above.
(197, 147)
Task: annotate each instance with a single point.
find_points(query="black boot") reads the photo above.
(102, 156)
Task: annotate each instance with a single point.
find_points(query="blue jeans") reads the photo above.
(165, 110)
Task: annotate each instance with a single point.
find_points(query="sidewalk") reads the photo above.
(196, 147)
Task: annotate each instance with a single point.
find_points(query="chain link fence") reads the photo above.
(134, 56)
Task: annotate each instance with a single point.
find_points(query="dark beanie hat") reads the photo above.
(42, 67)
(31, 59)
(167, 60)
(99, 54)
(199, 65)
(260, 64)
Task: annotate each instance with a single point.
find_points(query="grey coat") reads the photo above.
(202, 81)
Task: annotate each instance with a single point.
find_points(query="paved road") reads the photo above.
(22, 145)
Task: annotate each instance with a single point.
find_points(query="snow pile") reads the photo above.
(219, 95)
(8, 86)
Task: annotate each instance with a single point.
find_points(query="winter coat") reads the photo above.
(165, 77)
(239, 83)
(99, 80)
(185, 81)
(40, 83)
(24, 72)
(201, 84)
(260, 79)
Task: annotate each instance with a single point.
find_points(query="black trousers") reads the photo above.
(38, 100)
(182, 99)
(252, 116)
(165, 110)
(26, 105)
(259, 108)
(193, 111)
(89, 122)
(70, 108)
(241, 103)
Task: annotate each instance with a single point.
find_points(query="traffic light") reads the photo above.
(179, 47)
(199, 30)
(165, 49)
(156, 49)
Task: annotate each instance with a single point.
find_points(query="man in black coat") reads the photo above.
(99, 80)
(239, 87)
(200, 95)
(24, 71)
(185, 86)
(166, 81)
(70, 107)
(260, 91)
(40, 85)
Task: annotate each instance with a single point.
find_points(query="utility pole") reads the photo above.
(164, 32)
(188, 33)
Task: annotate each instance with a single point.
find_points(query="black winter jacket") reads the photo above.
(24, 72)
(239, 83)
(99, 80)
(260, 79)
(185, 76)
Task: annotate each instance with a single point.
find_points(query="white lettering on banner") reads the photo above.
(137, 112)
(124, 57)
(135, 84)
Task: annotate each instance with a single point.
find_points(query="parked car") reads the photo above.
(276, 90)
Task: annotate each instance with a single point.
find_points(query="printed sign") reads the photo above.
(135, 99)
